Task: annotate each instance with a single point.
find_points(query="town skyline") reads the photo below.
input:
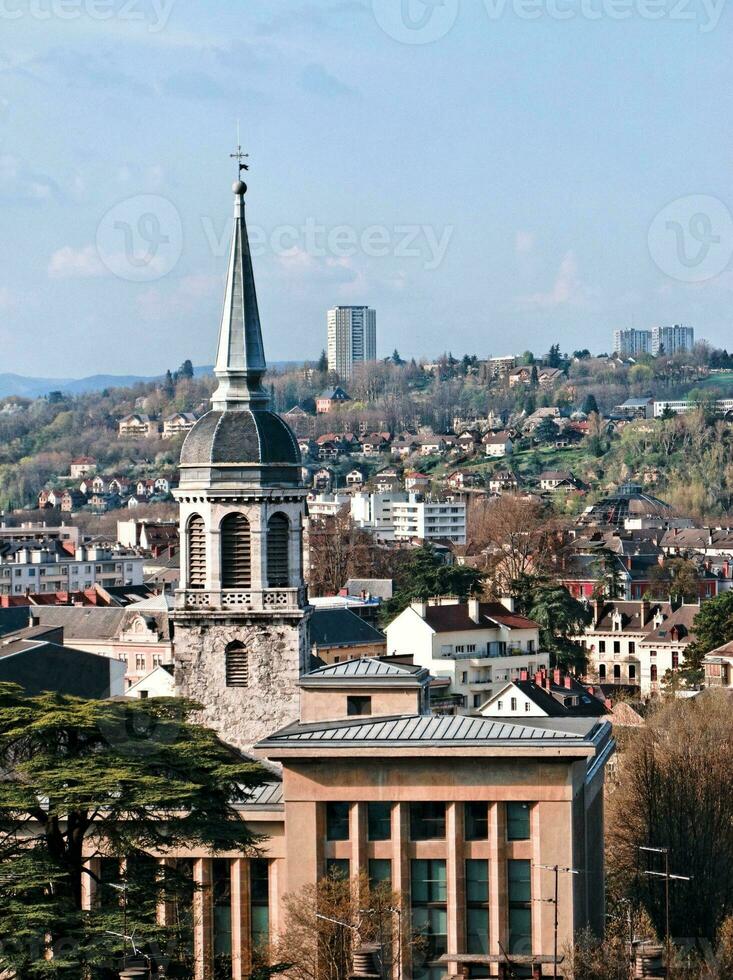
(484, 225)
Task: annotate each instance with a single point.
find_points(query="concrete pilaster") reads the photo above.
(203, 919)
(241, 920)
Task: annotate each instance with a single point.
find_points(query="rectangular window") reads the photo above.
(476, 821)
(337, 821)
(477, 906)
(517, 821)
(632, 646)
(358, 704)
(427, 821)
(429, 909)
(259, 898)
(222, 908)
(380, 872)
(379, 821)
(520, 907)
(675, 660)
(601, 646)
(338, 868)
(632, 672)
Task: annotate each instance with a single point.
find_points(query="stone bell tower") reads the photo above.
(241, 616)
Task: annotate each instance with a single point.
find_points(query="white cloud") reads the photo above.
(524, 242)
(76, 263)
(567, 289)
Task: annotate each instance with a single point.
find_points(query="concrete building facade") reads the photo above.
(352, 338)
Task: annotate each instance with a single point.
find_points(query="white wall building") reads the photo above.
(352, 338)
(479, 646)
(681, 406)
(322, 505)
(429, 520)
(46, 569)
(374, 512)
(629, 343)
(672, 340)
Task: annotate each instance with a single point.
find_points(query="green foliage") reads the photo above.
(559, 617)
(590, 404)
(423, 575)
(547, 431)
(120, 778)
(712, 626)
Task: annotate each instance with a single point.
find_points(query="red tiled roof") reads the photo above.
(448, 618)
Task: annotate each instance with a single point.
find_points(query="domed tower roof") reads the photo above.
(240, 441)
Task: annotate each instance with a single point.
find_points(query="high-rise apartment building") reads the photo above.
(352, 338)
(629, 343)
(672, 340)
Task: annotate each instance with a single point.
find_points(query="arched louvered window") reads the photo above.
(278, 567)
(236, 557)
(196, 552)
(237, 665)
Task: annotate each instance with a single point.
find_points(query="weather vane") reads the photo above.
(239, 155)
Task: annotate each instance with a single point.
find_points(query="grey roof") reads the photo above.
(428, 730)
(267, 794)
(246, 436)
(381, 587)
(240, 356)
(82, 622)
(363, 667)
(341, 628)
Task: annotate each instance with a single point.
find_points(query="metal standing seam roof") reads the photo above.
(364, 667)
(268, 794)
(421, 728)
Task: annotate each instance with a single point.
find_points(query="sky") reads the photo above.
(490, 175)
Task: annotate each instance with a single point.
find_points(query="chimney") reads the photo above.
(538, 678)
(597, 610)
(556, 680)
(474, 610)
(508, 602)
(568, 681)
(421, 607)
(644, 608)
(523, 674)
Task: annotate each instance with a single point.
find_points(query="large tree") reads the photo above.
(423, 574)
(675, 790)
(560, 617)
(712, 627)
(129, 779)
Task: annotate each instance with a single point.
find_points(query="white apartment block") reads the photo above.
(479, 646)
(429, 520)
(45, 569)
(683, 405)
(322, 505)
(672, 340)
(629, 343)
(352, 338)
(375, 512)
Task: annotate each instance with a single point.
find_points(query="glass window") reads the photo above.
(601, 646)
(379, 821)
(337, 821)
(259, 897)
(427, 821)
(476, 821)
(517, 821)
(380, 872)
(520, 907)
(338, 868)
(429, 911)
(358, 704)
(477, 906)
(222, 924)
(617, 646)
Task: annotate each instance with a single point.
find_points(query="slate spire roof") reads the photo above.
(240, 358)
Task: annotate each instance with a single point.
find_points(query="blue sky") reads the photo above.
(543, 170)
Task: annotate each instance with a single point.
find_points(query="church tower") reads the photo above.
(241, 616)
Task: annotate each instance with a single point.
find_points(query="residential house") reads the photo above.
(178, 423)
(338, 635)
(299, 421)
(432, 445)
(82, 466)
(503, 481)
(548, 377)
(416, 481)
(635, 408)
(331, 398)
(520, 375)
(375, 443)
(323, 479)
(72, 500)
(355, 477)
(467, 442)
(636, 643)
(138, 426)
(546, 694)
(718, 666)
(554, 481)
(404, 447)
(461, 479)
(497, 444)
(478, 646)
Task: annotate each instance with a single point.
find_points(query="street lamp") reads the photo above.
(556, 869)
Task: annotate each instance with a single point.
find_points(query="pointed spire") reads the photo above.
(240, 356)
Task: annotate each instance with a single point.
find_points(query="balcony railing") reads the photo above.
(230, 600)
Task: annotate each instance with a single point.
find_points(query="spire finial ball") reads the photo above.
(239, 187)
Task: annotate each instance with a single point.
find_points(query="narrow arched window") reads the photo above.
(278, 543)
(237, 665)
(236, 558)
(196, 552)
